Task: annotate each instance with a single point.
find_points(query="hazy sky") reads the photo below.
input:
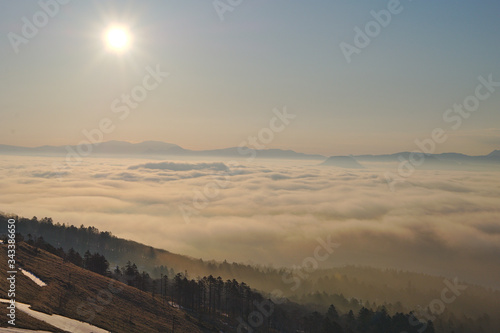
(227, 76)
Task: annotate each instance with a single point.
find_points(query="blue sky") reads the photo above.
(227, 76)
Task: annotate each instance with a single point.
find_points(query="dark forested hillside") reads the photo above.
(376, 294)
(175, 304)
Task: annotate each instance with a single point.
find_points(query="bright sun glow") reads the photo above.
(117, 39)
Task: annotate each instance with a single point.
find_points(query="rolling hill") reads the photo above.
(77, 293)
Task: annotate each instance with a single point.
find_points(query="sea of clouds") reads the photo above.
(272, 212)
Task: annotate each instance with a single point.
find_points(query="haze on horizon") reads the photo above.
(226, 77)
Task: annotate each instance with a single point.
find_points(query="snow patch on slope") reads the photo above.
(33, 277)
(63, 323)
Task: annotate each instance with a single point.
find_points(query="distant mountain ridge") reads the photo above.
(494, 154)
(159, 148)
(443, 160)
(107, 147)
(156, 148)
(433, 161)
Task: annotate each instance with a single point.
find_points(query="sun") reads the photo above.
(117, 39)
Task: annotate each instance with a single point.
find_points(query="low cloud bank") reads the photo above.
(181, 166)
(439, 222)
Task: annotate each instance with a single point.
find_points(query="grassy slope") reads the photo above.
(25, 321)
(68, 287)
